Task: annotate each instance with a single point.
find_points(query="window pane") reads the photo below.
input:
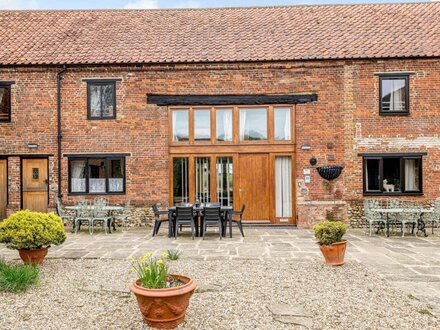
(115, 176)
(393, 94)
(412, 180)
(391, 174)
(225, 181)
(282, 124)
(97, 176)
(78, 176)
(180, 180)
(203, 179)
(108, 94)
(95, 101)
(372, 175)
(253, 124)
(4, 103)
(202, 125)
(224, 124)
(180, 125)
(283, 186)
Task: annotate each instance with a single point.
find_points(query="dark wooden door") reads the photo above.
(3, 188)
(35, 184)
(254, 187)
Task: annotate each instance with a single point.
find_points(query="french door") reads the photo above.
(261, 181)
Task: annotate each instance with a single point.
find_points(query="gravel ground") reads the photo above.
(347, 297)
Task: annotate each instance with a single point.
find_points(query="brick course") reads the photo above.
(344, 122)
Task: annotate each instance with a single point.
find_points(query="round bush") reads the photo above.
(32, 230)
(329, 232)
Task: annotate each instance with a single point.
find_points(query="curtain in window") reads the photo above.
(411, 170)
(95, 101)
(227, 125)
(287, 125)
(78, 181)
(283, 186)
(97, 185)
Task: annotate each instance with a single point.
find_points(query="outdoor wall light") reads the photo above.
(313, 161)
(306, 147)
(32, 146)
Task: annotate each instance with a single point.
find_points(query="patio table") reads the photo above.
(227, 210)
(420, 222)
(109, 208)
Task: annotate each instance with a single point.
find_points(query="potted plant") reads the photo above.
(329, 235)
(32, 233)
(162, 297)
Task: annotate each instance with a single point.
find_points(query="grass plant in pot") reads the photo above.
(32, 233)
(329, 235)
(163, 298)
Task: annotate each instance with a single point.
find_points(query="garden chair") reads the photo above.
(184, 216)
(239, 220)
(212, 217)
(101, 200)
(394, 219)
(158, 218)
(84, 213)
(410, 217)
(123, 217)
(372, 218)
(100, 214)
(434, 217)
(66, 218)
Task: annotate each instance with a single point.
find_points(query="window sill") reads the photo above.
(96, 194)
(393, 194)
(391, 113)
(104, 118)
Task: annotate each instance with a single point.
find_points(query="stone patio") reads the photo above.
(410, 264)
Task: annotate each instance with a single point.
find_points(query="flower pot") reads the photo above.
(33, 256)
(164, 308)
(334, 254)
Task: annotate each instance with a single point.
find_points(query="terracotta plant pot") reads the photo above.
(34, 256)
(164, 308)
(334, 254)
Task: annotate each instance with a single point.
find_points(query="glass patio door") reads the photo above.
(225, 181)
(202, 179)
(180, 180)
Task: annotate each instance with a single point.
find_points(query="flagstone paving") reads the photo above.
(411, 264)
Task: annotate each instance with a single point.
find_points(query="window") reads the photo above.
(282, 121)
(225, 181)
(253, 124)
(224, 125)
(97, 175)
(180, 125)
(5, 102)
(180, 180)
(394, 94)
(101, 100)
(202, 125)
(393, 174)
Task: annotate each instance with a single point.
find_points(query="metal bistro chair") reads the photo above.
(158, 219)
(66, 218)
(100, 214)
(84, 213)
(239, 220)
(372, 218)
(123, 217)
(410, 217)
(184, 216)
(212, 217)
(434, 217)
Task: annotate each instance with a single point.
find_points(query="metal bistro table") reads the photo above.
(109, 208)
(226, 210)
(420, 223)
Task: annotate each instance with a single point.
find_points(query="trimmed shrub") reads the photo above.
(32, 230)
(17, 277)
(329, 232)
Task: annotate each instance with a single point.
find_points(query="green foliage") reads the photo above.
(172, 254)
(152, 272)
(32, 230)
(329, 232)
(17, 277)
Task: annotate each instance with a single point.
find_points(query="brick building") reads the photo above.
(230, 105)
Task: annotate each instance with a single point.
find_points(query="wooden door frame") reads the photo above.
(21, 176)
(5, 158)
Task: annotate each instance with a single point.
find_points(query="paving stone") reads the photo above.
(296, 315)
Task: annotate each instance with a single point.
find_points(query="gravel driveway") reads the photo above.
(234, 295)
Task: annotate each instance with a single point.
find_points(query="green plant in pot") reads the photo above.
(329, 235)
(32, 233)
(163, 298)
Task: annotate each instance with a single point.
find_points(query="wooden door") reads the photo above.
(3, 188)
(254, 187)
(35, 184)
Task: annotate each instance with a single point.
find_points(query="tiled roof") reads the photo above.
(220, 35)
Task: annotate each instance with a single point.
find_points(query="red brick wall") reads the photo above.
(344, 122)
